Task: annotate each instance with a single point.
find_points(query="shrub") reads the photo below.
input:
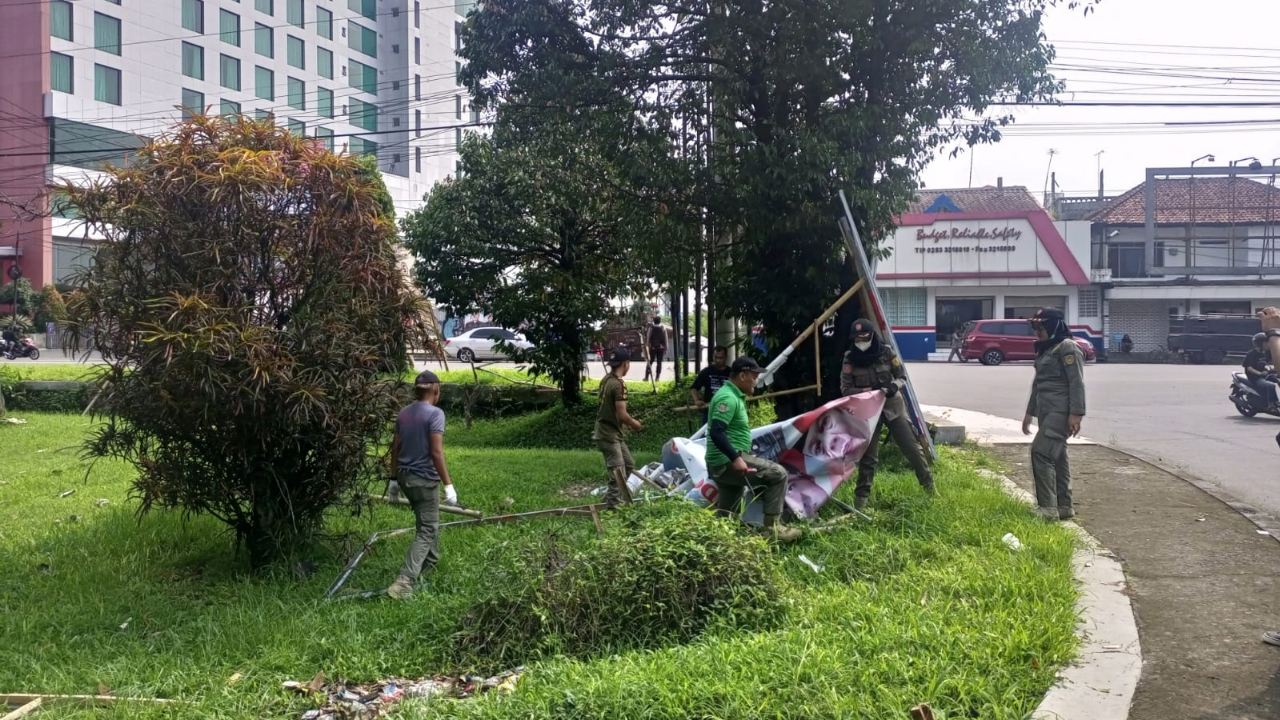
(52, 308)
(250, 307)
(663, 576)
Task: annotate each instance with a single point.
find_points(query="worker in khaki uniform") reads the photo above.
(1057, 404)
(729, 461)
(612, 420)
(872, 365)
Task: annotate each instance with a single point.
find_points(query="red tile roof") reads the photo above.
(989, 199)
(1211, 200)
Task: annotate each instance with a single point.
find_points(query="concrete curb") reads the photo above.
(1103, 680)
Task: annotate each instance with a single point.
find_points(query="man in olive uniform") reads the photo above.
(612, 420)
(1057, 403)
(729, 460)
(872, 365)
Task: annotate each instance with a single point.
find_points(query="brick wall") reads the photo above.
(1145, 321)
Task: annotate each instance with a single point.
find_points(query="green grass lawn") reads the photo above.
(924, 604)
(53, 371)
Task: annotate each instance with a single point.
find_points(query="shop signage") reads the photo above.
(1002, 236)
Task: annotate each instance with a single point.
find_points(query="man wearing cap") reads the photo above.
(1057, 403)
(417, 449)
(872, 365)
(612, 420)
(729, 461)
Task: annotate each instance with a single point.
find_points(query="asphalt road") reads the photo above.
(1176, 416)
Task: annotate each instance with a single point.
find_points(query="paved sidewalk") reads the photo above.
(1205, 585)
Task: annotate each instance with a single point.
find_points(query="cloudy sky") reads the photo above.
(1203, 52)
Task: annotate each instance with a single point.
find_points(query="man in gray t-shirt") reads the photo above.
(418, 451)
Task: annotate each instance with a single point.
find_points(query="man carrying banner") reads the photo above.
(872, 365)
(728, 459)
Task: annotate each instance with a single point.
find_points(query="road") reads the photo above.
(1176, 416)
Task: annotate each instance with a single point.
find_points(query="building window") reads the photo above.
(324, 63)
(362, 39)
(293, 13)
(193, 15)
(192, 61)
(417, 87)
(395, 121)
(395, 12)
(457, 107)
(60, 25)
(417, 159)
(362, 77)
(106, 33)
(360, 146)
(1089, 303)
(263, 115)
(475, 115)
(457, 73)
(906, 307)
(264, 83)
(230, 108)
(1242, 308)
(229, 26)
(457, 37)
(364, 115)
(417, 122)
(367, 8)
(326, 137)
(395, 86)
(192, 103)
(296, 52)
(324, 102)
(106, 84)
(395, 48)
(417, 51)
(297, 94)
(229, 72)
(62, 72)
(324, 23)
(265, 6)
(417, 14)
(264, 41)
(297, 127)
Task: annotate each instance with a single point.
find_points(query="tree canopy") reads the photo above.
(770, 108)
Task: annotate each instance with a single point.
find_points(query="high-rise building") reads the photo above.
(83, 82)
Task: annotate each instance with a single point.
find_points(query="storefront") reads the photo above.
(977, 254)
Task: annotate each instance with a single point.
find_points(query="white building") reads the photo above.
(982, 253)
(84, 81)
(1212, 251)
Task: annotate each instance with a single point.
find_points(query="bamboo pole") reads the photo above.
(817, 360)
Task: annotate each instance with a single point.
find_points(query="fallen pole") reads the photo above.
(574, 510)
(28, 698)
(452, 509)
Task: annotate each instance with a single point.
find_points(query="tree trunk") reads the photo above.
(571, 383)
(270, 533)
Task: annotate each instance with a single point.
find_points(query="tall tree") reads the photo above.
(790, 101)
(540, 230)
(250, 308)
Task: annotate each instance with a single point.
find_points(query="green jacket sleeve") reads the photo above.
(846, 376)
(1073, 367)
(895, 366)
(1031, 402)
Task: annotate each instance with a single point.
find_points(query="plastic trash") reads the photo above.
(811, 564)
(1012, 541)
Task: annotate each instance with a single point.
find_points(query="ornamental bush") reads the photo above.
(250, 308)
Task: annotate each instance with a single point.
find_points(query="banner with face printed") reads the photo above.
(820, 450)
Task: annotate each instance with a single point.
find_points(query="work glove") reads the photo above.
(890, 389)
(450, 495)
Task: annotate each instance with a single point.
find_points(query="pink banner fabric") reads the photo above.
(819, 449)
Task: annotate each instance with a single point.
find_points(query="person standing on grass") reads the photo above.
(417, 449)
(872, 365)
(710, 380)
(1057, 404)
(612, 421)
(729, 461)
(657, 350)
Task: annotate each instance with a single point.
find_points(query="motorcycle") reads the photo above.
(25, 347)
(1248, 400)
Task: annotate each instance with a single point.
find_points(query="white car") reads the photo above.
(479, 344)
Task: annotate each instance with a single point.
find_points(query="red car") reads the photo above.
(995, 341)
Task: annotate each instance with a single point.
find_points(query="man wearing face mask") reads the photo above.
(1057, 403)
(872, 365)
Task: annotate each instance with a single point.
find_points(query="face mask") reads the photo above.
(863, 346)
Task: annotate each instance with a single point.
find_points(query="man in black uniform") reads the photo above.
(1257, 367)
(710, 380)
(872, 365)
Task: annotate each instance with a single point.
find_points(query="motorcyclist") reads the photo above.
(8, 340)
(1257, 368)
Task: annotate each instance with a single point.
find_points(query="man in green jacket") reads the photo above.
(729, 461)
(1057, 404)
